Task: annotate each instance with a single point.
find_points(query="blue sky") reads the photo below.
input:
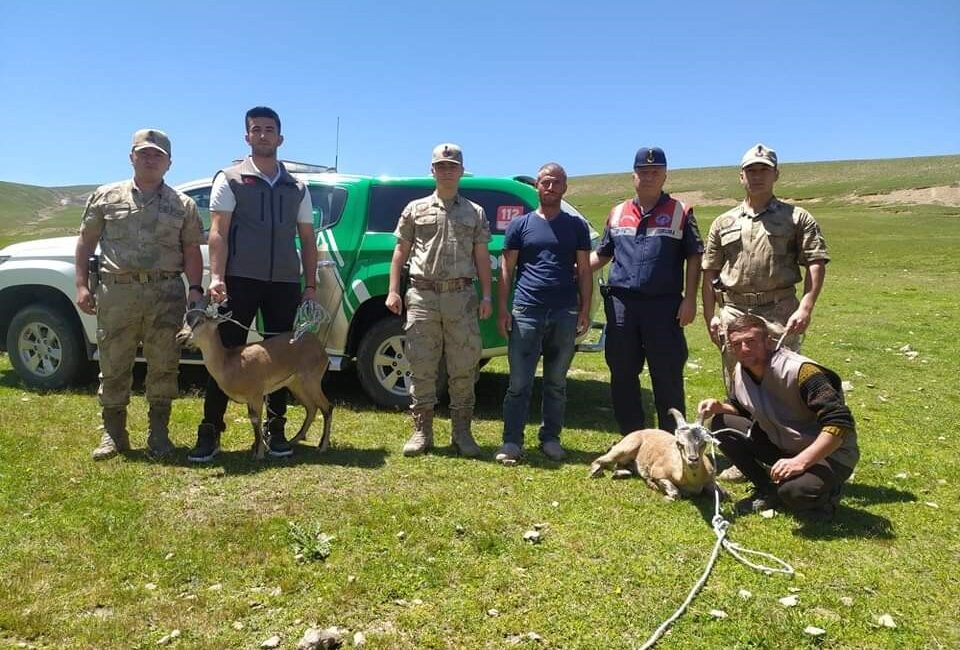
(515, 83)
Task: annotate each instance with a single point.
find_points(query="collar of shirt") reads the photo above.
(271, 181)
(436, 200)
(146, 197)
(747, 211)
(663, 197)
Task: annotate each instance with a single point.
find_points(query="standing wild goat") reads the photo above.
(250, 372)
(674, 464)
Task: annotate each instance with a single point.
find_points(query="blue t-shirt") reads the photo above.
(546, 260)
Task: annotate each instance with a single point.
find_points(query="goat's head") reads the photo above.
(199, 315)
(691, 439)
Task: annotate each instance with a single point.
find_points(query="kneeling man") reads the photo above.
(802, 441)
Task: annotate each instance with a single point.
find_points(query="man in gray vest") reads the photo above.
(257, 210)
(802, 442)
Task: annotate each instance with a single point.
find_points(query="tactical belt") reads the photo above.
(139, 277)
(758, 299)
(441, 286)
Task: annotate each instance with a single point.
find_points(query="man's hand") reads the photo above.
(504, 323)
(85, 301)
(394, 302)
(485, 309)
(799, 320)
(583, 323)
(713, 329)
(687, 310)
(217, 289)
(710, 407)
(787, 468)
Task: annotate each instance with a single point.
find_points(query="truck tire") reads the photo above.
(45, 348)
(383, 368)
(382, 364)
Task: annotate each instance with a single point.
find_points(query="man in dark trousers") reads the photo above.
(651, 294)
(802, 443)
(257, 210)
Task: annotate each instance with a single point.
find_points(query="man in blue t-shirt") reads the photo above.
(550, 250)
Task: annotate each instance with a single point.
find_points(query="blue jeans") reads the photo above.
(536, 332)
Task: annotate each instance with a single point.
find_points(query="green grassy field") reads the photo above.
(121, 553)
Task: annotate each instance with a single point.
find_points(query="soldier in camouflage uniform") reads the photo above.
(445, 236)
(149, 235)
(756, 250)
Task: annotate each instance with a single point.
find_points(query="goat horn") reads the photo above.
(678, 416)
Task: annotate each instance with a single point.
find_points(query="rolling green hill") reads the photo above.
(31, 212)
(833, 183)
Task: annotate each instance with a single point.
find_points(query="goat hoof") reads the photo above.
(621, 474)
(595, 472)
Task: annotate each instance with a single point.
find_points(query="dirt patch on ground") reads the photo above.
(698, 198)
(946, 195)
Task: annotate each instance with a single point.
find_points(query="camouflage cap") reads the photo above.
(152, 139)
(759, 153)
(650, 157)
(447, 152)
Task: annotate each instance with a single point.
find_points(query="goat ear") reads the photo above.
(678, 416)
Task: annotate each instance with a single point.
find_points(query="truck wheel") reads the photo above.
(383, 367)
(382, 364)
(44, 347)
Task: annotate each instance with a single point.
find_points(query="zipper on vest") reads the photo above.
(263, 207)
(273, 235)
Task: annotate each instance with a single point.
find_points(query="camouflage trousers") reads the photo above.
(775, 314)
(438, 323)
(130, 315)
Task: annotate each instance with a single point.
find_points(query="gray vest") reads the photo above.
(263, 228)
(780, 411)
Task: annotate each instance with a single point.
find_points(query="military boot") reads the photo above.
(462, 439)
(158, 437)
(115, 437)
(422, 438)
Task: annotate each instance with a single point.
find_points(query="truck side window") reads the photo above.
(201, 196)
(500, 207)
(328, 203)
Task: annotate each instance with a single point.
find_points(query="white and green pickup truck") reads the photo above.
(51, 342)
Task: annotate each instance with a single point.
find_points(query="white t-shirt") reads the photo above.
(223, 200)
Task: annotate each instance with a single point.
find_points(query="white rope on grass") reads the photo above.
(720, 528)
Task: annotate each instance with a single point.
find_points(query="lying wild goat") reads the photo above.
(674, 464)
(250, 372)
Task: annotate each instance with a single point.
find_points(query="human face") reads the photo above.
(263, 137)
(758, 179)
(149, 165)
(447, 173)
(750, 347)
(551, 186)
(648, 181)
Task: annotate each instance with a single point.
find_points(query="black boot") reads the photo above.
(208, 444)
(277, 445)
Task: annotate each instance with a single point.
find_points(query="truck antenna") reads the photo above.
(336, 154)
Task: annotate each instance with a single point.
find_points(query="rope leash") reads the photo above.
(310, 316)
(720, 528)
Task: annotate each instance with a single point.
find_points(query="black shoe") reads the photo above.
(208, 444)
(756, 502)
(277, 445)
(822, 515)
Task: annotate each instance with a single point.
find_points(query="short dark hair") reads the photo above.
(746, 322)
(260, 111)
(554, 168)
